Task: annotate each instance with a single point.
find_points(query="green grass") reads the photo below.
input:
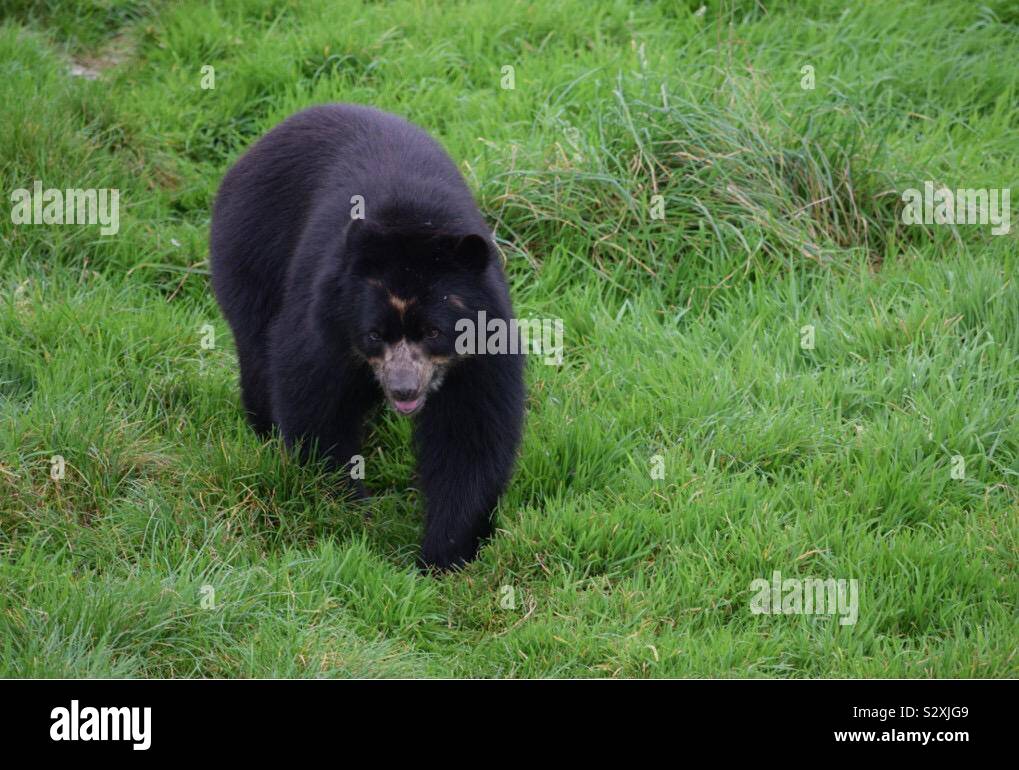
(177, 544)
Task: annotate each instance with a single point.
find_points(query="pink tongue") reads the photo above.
(407, 406)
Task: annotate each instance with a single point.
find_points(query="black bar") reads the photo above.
(245, 718)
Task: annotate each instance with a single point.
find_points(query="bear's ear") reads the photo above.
(358, 241)
(471, 253)
(358, 231)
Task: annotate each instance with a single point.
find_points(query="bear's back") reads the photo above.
(296, 187)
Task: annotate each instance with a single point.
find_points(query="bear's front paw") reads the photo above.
(352, 490)
(359, 492)
(448, 555)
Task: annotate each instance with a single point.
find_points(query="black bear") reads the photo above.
(345, 247)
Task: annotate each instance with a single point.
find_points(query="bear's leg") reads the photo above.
(320, 413)
(255, 392)
(466, 440)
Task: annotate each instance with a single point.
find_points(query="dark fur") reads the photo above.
(301, 283)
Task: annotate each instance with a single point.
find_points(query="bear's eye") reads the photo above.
(373, 337)
(432, 334)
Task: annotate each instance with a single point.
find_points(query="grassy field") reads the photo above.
(178, 544)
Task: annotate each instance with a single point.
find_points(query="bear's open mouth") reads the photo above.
(407, 407)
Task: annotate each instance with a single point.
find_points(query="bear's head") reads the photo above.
(404, 289)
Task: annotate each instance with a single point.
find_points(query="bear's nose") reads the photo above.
(404, 394)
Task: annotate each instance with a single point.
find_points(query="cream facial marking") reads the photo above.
(407, 374)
